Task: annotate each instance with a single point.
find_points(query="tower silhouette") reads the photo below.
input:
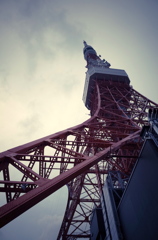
(79, 157)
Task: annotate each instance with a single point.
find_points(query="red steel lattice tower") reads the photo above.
(80, 157)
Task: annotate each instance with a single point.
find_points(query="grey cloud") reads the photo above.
(40, 222)
(33, 19)
(36, 32)
(50, 226)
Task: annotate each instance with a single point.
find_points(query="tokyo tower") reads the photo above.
(82, 156)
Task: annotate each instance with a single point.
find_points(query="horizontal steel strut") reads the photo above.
(45, 188)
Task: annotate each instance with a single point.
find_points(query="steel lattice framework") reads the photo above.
(79, 157)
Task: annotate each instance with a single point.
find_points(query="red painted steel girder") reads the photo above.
(80, 157)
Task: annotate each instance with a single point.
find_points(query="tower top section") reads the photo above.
(93, 60)
(98, 70)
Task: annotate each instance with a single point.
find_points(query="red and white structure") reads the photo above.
(79, 157)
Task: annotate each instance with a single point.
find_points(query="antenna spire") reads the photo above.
(93, 60)
(84, 42)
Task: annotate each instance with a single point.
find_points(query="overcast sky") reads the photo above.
(42, 73)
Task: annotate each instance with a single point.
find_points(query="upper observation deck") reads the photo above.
(98, 73)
